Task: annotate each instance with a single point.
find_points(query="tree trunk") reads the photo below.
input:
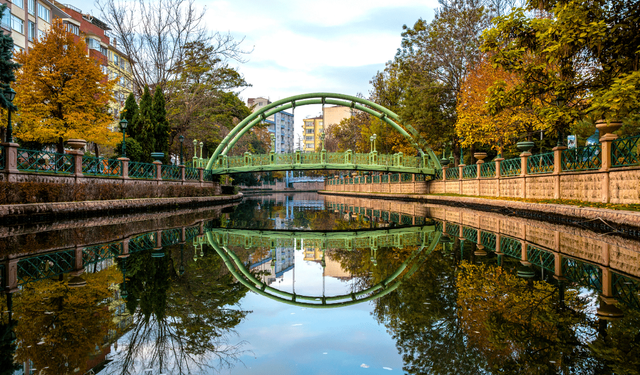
(97, 150)
(60, 146)
(472, 150)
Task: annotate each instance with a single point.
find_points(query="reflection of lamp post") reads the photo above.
(123, 127)
(181, 138)
(10, 94)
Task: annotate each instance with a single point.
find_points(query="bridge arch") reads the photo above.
(361, 104)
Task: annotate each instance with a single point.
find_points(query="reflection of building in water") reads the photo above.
(273, 269)
(332, 267)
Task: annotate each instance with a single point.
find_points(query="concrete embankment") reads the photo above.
(627, 221)
(13, 213)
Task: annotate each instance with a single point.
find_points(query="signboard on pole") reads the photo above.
(571, 141)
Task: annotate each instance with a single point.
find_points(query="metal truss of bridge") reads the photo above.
(424, 238)
(424, 163)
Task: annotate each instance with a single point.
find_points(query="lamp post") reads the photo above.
(374, 136)
(560, 101)
(123, 127)
(371, 144)
(201, 144)
(181, 138)
(195, 152)
(10, 94)
(322, 139)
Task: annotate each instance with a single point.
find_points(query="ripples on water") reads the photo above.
(308, 284)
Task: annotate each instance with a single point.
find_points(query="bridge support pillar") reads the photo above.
(10, 281)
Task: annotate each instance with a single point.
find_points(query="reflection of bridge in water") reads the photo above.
(424, 238)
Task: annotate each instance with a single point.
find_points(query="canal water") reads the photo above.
(318, 284)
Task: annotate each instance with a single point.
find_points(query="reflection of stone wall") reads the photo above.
(625, 260)
(581, 247)
(625, 186)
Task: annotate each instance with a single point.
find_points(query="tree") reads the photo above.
(130, 111)
(142, 129)
(157, 35)
(61, 92)
(477, 124)
(7, 68)
(567, 54)
(161, 125)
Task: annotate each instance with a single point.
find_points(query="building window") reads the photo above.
(6, 18)
(308, 138)
(103, 50)
(309, 131)
(93, 44)
(309, 145)
(32, 31)
(17, 49)
(73, 29)
(17, 24)
(32, 7)
(116, 59)
(41, 34)
(18, 3)
(44, 13)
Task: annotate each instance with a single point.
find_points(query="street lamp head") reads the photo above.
(123, 124)
(195, 142)
(371, 139)
(10, 94)
(181, 138)
(374, 137)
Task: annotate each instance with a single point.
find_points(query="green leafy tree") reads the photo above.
(161, 125)
(142, 127)
(130, 112)
(133, 148)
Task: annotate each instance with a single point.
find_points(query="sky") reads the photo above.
(304, 46)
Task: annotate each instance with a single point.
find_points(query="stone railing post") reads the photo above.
(201, 175)
(183, 173)
(557, 169)
(125, 168)
(158, 165)
(444, 173)
(460, 178)
(524, 157)
(606, 145)
(498, 161)
(10, 159)
(77, 162)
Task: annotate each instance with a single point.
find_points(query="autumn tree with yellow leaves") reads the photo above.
(62, 93)
(479, 123)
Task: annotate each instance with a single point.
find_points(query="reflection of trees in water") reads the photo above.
(453, 318)
(181, 323)
(60, 327)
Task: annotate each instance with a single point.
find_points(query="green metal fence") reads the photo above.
(384, 179)
(171, 172)
(45, 161)
(581, 158)
(625, 152)
(438, 174)
(101, 166)
(3, 159)
(191, 174)
(511, 247)
(452, 173)
(510, 167)
(540, 163)
(470, 171)
(142, 170)
(488, 169)
(406, 177)
(395, 177)
(541, 258)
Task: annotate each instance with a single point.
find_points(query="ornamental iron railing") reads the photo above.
(541, 258)
(540, 163)
(142, 170)
(470, 171)
(488, 169)
(45, 161)
(452, 173)
(191, 174)
(625, 152)
(581, 158)
(171, 172)
(510, 167)
(101, 166)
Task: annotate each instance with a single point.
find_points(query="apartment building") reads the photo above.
(103, 47)
(29, 20)
(312, 128)
(334, 114)
(279, 124)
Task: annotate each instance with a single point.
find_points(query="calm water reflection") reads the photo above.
(310, 284)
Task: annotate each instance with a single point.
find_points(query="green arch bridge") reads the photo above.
(424, 162)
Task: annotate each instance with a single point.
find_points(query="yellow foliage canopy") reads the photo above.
(477, 124)
(61, 93)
